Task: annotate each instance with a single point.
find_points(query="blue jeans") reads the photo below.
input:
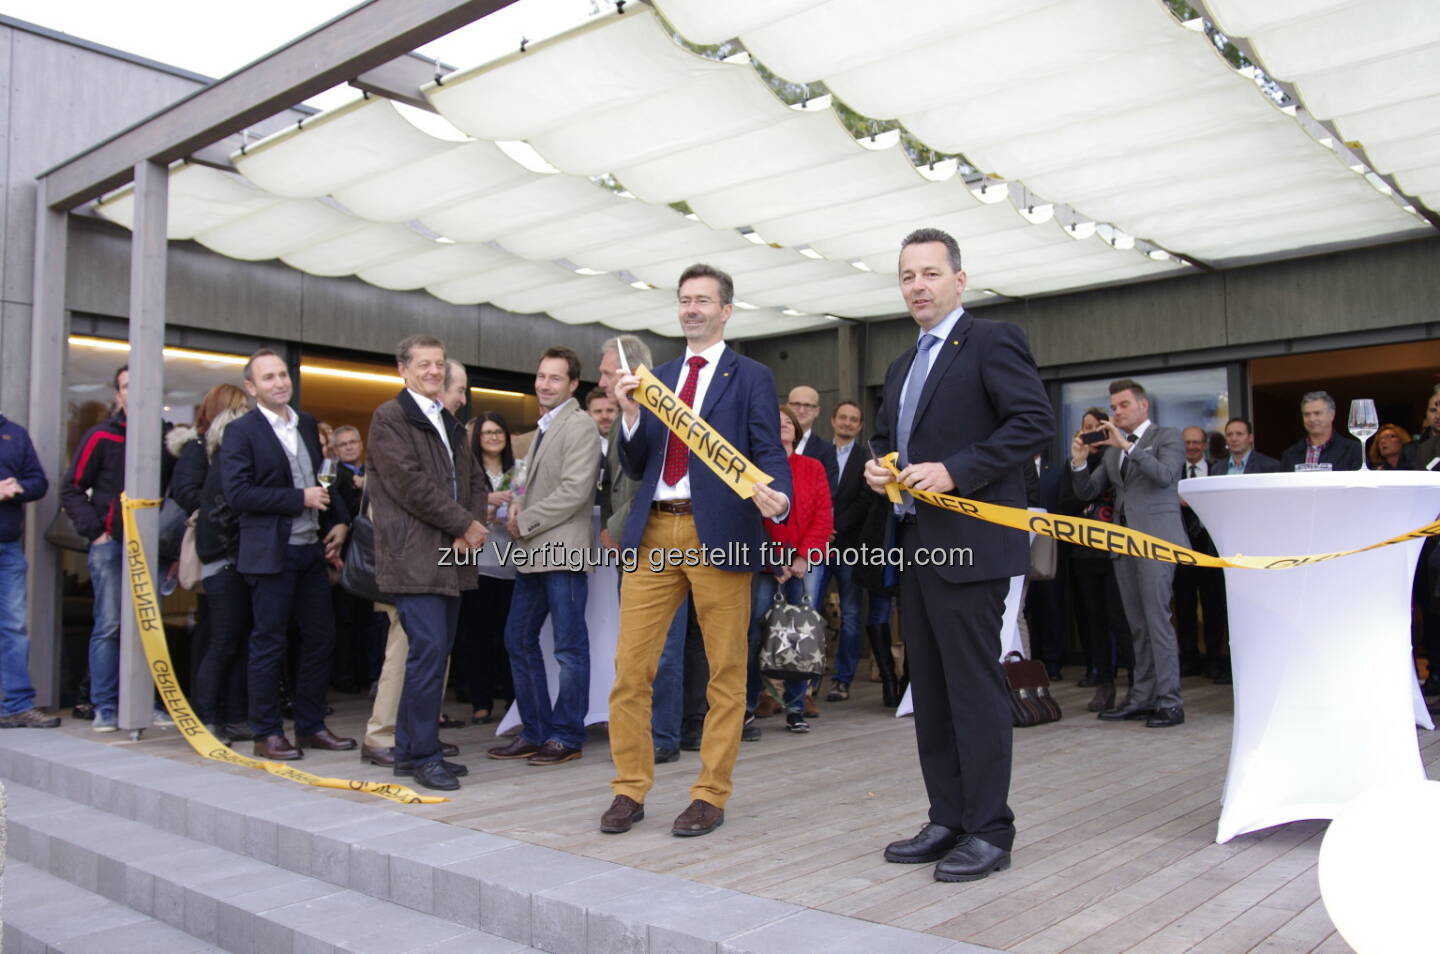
(761, 599)
(14, 639)
(561, 595)
(667, 703)
(106, 576)
(852, 600)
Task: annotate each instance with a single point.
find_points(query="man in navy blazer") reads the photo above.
(289, 528)
(966, 412)
(1243, 457)
(682, 504)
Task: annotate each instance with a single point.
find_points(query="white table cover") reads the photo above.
(1325, 689)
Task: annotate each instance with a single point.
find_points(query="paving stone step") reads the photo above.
(212, 896)
(240, 827)
(46, 914)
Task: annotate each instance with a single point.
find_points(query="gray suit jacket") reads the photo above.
(560, 491)
(622, 486)
(1146, 498)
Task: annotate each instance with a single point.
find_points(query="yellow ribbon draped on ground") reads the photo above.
(1099, 535)
(157, 655)
(718, 454)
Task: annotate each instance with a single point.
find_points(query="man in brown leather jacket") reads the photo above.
(428, 499)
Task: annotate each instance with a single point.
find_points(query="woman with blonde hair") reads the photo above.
(193, 473)
(1384, 450)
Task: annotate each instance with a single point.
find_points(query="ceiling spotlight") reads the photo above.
(809, 252)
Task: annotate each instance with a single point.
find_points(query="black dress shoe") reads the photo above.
(405, 769)
(931, 844)
(1126, 714)
(666, 755)
(435, 775)
(449, 749)
(971, 860)
(1170, 715)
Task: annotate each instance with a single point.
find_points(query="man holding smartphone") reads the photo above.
(1142, 462)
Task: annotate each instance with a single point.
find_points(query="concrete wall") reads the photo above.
(55, 99)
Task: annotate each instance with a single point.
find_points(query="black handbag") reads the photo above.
(357, 573)
(62, 533)
(794, 646)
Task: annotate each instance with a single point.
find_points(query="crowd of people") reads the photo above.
(480, 536)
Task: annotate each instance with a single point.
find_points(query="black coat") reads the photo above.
(255, 472)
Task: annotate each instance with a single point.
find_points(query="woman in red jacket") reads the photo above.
(807, 528)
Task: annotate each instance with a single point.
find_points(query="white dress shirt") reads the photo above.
(800, 444)
(1138, 433)
(286, 428)
(941, 331)
(431, 408)
(681, 490)
(1202, 468)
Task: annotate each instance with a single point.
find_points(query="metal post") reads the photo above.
(143, 410)
(49, 328)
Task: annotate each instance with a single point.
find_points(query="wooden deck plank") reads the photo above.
(1115, 836)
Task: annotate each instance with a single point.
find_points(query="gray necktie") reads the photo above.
(914, 384)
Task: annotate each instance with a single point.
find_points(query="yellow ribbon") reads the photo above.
(1099, 535)
(717, 453)
(157, 654)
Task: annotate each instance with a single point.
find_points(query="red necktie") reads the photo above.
(677, 455)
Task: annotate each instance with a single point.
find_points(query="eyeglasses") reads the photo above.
(485, 433)
(804, 406)
(703, 301)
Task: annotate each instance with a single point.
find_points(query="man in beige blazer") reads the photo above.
(551, 524)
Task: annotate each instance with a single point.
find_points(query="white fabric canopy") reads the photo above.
(1107, 115)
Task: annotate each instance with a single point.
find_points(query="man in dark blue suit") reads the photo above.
(682, 504)
(1243, 457)
(966, 412)
(288, 531)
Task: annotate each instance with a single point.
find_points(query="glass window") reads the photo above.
(1200, 397)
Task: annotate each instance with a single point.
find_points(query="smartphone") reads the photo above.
(1092, 437)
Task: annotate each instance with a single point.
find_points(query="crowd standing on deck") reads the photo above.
(478, 532)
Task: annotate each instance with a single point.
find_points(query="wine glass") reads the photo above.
(326, 477)
(1363, 424)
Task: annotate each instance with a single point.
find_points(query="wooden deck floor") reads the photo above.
(1116, 823)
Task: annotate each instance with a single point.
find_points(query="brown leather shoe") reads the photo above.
(383, 756)
(622, 813)
(325, 739)
(811, 710)
(767, 706)
(701, 818)
(553, 753)
(516, 748)
(276, 748)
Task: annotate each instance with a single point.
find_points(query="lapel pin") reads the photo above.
(725, 374)
(955, 341)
